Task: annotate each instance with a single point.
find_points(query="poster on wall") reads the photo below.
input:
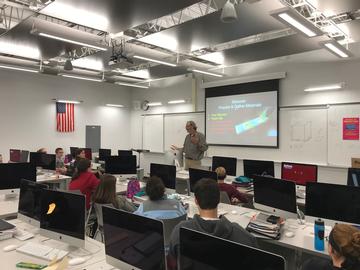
(351, 128)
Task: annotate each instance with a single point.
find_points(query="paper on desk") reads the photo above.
(62, 265)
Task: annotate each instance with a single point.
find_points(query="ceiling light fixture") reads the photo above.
(154, 60)
(152, 104)
(336, 48)
(132, 85)
(81, 78)
(72, 41)
(228, 13)
(176, 101)
(68, 101)
(115, 105)
(330, 87)
(20, 69)
(207, 73)
(296, 21)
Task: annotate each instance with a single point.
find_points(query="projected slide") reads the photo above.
(246, 119)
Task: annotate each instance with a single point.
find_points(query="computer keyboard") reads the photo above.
(42, 251)
(23, 235)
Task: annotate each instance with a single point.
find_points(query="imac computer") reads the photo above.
(133, 242)
(24, 156)
(275, 196)
(11, 175)
(122, 153)
(353, 178)
(73, 151)
(195, 175)
(200, 251)
(88, 153)
(15, 155)
(123, 165)
(63, 217)
(104, 153)
(332, 203)
(258, 167)
(29, 202)
(167, 173)
(45, 161)
(227, 162)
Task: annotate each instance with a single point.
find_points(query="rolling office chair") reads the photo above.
(169, 225)
(99, 217)
(224, 197)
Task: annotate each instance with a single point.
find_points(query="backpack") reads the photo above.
(133, 187)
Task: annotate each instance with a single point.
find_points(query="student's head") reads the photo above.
(155, 188)
(42, 150)
(191, 127)
(59, 152)
(82, 166)
(106, 190)
(80, 153)
(221, 173)
(207, 194)
(344, 243)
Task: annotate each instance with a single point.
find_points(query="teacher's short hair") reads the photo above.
(192, 123)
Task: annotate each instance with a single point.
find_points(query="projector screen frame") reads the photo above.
(245, 88)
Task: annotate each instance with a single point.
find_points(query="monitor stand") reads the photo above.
(89, 250)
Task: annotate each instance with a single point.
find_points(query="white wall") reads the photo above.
(28, 114)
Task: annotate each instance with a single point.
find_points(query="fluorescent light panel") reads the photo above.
(68, 101)
(20, 69)
(132, 85)
(336, 86)
(207, 73)
(176, 101)
(155, 61)
(81, 78)
(152, 104)
(297, 24)
(336, 50)
(72, 41)
(115, 105)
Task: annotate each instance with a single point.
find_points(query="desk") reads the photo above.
(10, 259)
(54, 179)
(9, 207)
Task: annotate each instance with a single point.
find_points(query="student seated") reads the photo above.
(42, 150)
(207, 198)
(60, 165)
(105, 193)
(344, 250)
(84, 180)
(235, 196)
(158, 206)
(79, 154)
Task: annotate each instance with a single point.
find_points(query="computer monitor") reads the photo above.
(88, 153)
(332, 203)
(24, 156)
(45, 161)
(120, 164)
(275, 196)
(299, 173)
(167, 173)
(104, 153)
(227, 162)
(258, 167)
(11, 175)
(63, 217)
(200, 251)
(133, 242)
(353, 178)
(29, 202)
(195, 175)
(73, 151)
(125, 153)
(15, 155)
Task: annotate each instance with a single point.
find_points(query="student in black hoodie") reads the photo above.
(207, 198)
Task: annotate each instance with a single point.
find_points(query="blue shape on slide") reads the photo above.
(272, 133)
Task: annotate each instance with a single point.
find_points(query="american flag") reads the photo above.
(65, 117)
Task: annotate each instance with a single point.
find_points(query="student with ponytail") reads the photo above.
(344, 250)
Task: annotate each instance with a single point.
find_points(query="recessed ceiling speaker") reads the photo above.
(228, 14)
(68, 65)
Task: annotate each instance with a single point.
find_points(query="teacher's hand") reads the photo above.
(194, 138)
(174, 147)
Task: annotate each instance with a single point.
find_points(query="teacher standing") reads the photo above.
(194, 146)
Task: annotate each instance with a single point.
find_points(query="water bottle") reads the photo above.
(319, 233)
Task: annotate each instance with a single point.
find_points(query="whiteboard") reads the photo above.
(153, 133)
(340, 151)
(174, 127)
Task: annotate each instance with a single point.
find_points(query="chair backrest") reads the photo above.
(169, 225)
(224, 198)
(98, 212)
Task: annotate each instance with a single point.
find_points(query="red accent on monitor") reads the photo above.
(88, 153)
(299, 173)
(15, 155)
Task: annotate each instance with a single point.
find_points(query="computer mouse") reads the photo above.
(289, 234)
(10, 248)
(77, 260)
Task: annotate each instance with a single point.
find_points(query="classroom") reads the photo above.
(180, 134)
